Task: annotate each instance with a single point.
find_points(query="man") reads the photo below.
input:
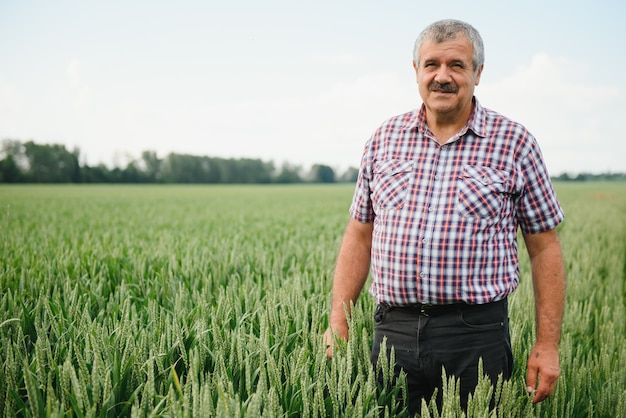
(441, 193)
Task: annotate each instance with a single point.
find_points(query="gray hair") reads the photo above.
(447, 30)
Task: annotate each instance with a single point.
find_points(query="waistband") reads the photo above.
(427, 309)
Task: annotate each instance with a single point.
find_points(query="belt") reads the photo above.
(428, 309)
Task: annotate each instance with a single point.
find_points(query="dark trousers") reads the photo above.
(427, 338)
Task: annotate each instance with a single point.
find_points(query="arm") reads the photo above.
(353, 263)
(548, 275)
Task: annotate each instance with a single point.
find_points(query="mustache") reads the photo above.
(445, 87)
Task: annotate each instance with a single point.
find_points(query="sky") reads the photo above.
(299, 82)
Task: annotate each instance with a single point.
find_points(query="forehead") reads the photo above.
(459, 48)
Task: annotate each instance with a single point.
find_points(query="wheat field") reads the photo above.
(199, 301)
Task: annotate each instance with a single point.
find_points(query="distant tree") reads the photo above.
(184, 168)
(151, 166)
(322, 174)
(350, 175)
(172, 168)
(13, 162)
(96, 174)
(9, 171)
(51, 163)
(132, 174)
(248, 170)
(288, 174)
(562, 177)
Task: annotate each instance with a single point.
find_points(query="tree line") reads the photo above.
(52, 163)
(30, 162)
(591, 177)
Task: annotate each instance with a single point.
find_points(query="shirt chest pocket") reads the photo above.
(391, 183)
(482, 191)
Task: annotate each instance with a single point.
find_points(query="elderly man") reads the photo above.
(441, 193)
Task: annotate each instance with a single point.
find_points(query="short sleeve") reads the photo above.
(538, 209)
(361, 208)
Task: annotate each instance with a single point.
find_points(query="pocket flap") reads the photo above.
(484, 175)
(391, 167)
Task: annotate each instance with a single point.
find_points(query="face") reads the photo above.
(446, 79)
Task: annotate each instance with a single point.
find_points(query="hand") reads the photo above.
(543, 372)
(341, 332)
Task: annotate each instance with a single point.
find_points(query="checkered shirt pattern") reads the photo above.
(446, 216)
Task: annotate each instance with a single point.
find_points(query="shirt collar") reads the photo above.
(476, 123)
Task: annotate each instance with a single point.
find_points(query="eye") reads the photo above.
(458, 65)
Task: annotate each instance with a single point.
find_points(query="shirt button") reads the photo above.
(422, 274)
(425, 240)
(437, 177)
(486, 180)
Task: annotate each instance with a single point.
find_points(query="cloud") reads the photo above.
(572, 117)
(74, 72)
(12, 102)
(329, 126)
(335, 59)
(79, 91)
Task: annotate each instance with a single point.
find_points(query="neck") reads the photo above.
(444, 130)
(444, 126)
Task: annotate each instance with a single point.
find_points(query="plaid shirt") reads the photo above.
(446, 216)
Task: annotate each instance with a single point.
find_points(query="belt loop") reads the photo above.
(381, 310)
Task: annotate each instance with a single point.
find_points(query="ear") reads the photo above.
(478, 73)
(416, 68)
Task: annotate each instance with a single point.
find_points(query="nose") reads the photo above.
(442, 75)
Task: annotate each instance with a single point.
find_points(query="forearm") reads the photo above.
(351, 270)
(549, 286)
(549, 290)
